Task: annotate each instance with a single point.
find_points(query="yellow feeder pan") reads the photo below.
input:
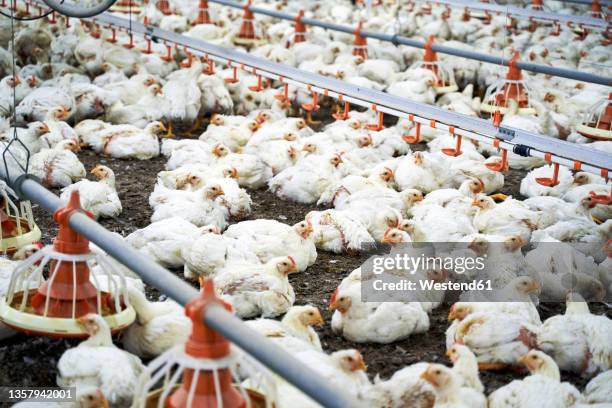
(30, 234)
(17, 226)
(597, 122)
(51, 307)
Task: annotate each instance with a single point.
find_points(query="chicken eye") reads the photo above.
(310, 314)
(438, 372)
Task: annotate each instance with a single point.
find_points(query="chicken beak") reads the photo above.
(45, 127)
(17, 80)
(220, 192)
(318, 320)
(452, 315)
(499, 197)
(428, 377)
(163, 127)
(334, 305)
(359, 364)
(524, 360)
(534, 288)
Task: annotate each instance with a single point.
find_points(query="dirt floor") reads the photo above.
(31, 361)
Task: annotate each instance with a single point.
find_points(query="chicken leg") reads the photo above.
(196, 126)
(309, 119)
(169, 132)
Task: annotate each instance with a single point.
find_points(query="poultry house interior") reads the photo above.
(283, 195)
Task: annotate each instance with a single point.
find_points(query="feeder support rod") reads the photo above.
(457, 52)
(231, 327)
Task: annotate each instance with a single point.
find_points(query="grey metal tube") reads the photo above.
(232, 328)
(396, 39)
(256, 345)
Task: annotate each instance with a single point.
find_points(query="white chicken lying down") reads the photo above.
(297, 323)
(158, 326)
(339, 231)
(306, 181)
(405, 387)
(344, 369)
(58, 167)
(99, 197)
(339, 191)
(497, 339)
(125, 142)
(199, 207)
(258, 290)
(449, 390)
(510, 217)
(531, 188)
(542, 389)
(99, 363)
(209, 252)
(377, 322)
(270, 238)
(578, 340)
(163, 241)
(599, 389)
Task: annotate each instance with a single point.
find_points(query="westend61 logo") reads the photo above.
(412, 264)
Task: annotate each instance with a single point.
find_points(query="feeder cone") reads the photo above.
(206, 343)
(164, 7)
(596, 9)
(430, 59)
(513, 89)
(247, 31)
(64, 291)
(203, 16)
(300, 29)
(360, 44)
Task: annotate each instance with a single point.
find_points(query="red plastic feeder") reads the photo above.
(360, 44)
(164, 7)
(203, 15)
(247, 35)
(299, 34)
(445, 78)
(513, 87)
(199, 373)
(50, 307)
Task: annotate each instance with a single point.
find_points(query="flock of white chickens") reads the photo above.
(75, 90)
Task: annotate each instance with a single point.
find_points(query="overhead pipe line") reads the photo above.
(457, 52)
(520, 141)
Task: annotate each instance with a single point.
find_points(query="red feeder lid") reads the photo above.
(63, 294)
(205, 342)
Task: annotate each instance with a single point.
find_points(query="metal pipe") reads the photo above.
(592, 159)
(231, 327)
(524, 13)
(397, 39)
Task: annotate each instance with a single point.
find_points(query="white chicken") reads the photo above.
(543, 388)
(270, 238)
(449, 391)
(98, 362)
(298, 323)
(163, 241)
(255, 290)
(198, 207)
(210, 252)
(58, 167)
(376, 322)
(339, 231)
(158, 326)
(99, 197)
